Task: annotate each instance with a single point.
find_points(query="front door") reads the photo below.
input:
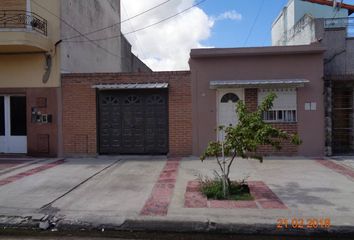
(13, 124)
(226, 102)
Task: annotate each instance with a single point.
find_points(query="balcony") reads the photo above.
(22, 31)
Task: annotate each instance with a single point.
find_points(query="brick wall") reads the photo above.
(79, 109)
(288, 149)
(79, 117)
(251, 99)
(42, 138)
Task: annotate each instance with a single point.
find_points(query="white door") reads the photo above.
(226, 102)
(13, 124)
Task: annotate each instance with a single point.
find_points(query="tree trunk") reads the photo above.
(225, 186)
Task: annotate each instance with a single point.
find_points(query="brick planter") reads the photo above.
(264, 198)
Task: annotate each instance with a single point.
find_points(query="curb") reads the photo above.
(20, 225)
(229, 228)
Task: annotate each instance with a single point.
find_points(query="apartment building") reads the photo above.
(40, 40)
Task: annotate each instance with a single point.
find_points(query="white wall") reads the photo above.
(303, 32)
(277, 31)
(316, 10)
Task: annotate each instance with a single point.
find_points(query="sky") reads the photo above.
(213, 23)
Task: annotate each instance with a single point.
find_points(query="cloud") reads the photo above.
(229, 15)
(166, 46)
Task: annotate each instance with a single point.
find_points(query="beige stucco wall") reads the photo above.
(13, 4)
(22, 60)
(26, 71)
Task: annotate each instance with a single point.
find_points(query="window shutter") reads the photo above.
(286, 98)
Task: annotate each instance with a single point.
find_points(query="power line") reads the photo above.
(66, 23)
(146, 27)
(254, 23)
(120, 22)
(135, 35)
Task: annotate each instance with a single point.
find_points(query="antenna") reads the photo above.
(337, 5)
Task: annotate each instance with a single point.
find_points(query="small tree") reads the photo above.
(243, 139)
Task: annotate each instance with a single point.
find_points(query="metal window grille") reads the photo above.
(280, 116)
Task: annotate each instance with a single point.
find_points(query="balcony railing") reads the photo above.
(17, 19)
(347, 23)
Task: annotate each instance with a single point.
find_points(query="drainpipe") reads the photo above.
(47, 67)
(48, 62)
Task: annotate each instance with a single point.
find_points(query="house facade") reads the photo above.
(221, 77)
(37, 45)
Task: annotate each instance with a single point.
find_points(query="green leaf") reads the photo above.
(249, 134)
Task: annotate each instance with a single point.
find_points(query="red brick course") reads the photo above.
(345, 171)
(79, 109)
(288, 149)
(30, 172)
(160, 198)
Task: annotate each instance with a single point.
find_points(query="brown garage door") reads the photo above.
(133, 122)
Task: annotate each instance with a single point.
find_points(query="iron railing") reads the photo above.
(17, 19)
(347, 23)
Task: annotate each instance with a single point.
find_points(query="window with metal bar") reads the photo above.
(280, 116)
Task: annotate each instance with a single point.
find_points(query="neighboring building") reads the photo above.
(297, 12)
(335, 31)
(221, 77)
(34, 53)
(80, 55)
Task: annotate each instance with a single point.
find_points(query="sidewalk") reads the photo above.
(156, 194)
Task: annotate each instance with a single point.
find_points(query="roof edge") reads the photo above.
(257, 51)
(114, 74)
(215, 84)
